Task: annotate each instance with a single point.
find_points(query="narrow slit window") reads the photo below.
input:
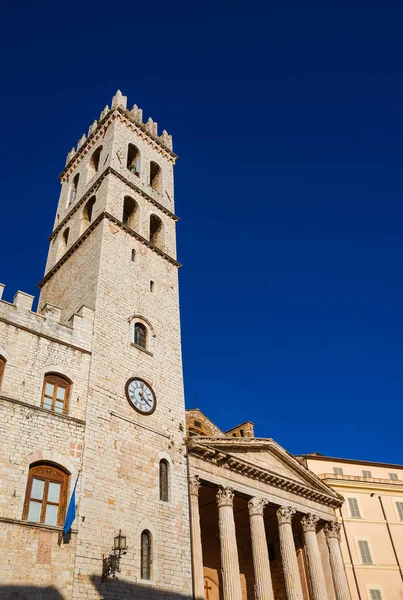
(146, 555)
(73, 189)
(164, 481)
(2, 367)
(133, 255)
(151, 286)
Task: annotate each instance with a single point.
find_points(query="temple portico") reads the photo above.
(258, 525)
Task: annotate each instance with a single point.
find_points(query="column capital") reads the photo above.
(332, 529)
(225, 496)
(256, 506)
(285, 514)
(309, 522)
(194, 485)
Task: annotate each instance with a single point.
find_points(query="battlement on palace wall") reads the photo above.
(47, 323)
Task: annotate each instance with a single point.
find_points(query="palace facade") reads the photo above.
(92, 408)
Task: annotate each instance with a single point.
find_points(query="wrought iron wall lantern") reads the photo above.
(111, 562)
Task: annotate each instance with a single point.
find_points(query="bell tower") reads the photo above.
(113, 250)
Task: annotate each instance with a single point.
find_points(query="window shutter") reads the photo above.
(365, 553)
(375, 594)
(400, 510)
(393, 476)
(354, 509)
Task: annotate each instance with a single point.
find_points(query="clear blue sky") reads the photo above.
(288, 119)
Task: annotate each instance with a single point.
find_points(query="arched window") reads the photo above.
(63, 242)
(133, 159)
(130, 212)
(146, 550)
(94, 162)
(46, 495)
(140, 335)
(164, 480)
(73, 189)
(55, 393)
(155, 176)
(88, 209)
(2, 367)
(156, 231)
(241, 433)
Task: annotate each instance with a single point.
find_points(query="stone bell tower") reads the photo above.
(113, 250)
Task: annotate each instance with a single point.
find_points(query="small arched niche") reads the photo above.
(95, 159)
(133, 159)
(156, 231)
(155, 176)
(130, 215)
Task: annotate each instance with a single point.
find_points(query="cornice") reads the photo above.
(124, 116)
(234, 463)
(45, 411)
(90, 228)
(277, 450)
(350, 461)
(93, 189)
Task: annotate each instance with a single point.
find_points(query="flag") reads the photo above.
(71, 511)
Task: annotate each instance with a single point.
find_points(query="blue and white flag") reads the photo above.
(71, 511)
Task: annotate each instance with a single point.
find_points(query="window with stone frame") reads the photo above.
(46, 494)
(2, 367)
(146, 556)
(140, 335)
(164, 480)
(56, 393)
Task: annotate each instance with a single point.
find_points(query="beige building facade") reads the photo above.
(372, 523)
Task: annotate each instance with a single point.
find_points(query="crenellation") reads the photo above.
(70, 155)
(152, 126)
(47, 323)
(137, 113)
(81, 141)
(119, 100)
(104, 113)
(92, 128)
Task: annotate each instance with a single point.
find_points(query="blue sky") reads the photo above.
(288, 119)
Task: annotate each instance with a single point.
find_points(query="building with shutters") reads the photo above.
(372, 523)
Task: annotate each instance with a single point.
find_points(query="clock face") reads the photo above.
(141, 396)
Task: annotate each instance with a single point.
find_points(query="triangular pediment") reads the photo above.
(261, 454)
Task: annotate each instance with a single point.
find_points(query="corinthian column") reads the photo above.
(231, 581)
(316, 574)
(332, 531)
(197, 553)
(261, 563)
(288, 554)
